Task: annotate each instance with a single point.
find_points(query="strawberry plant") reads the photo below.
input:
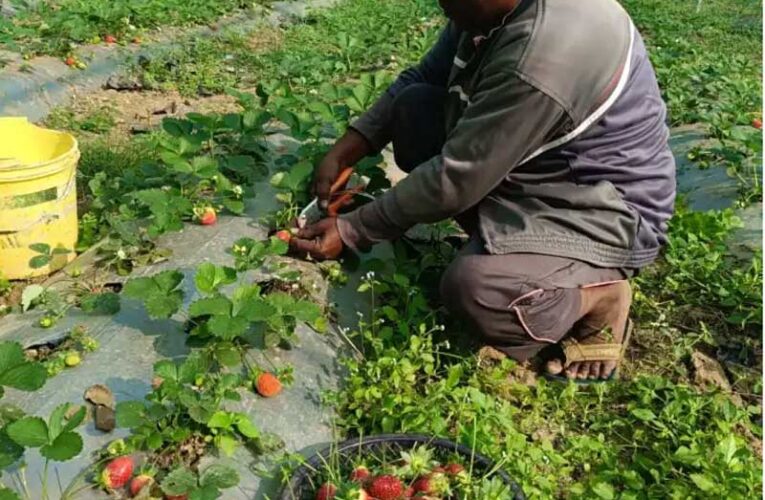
(184, 409)
(56, 440)
(250, 254)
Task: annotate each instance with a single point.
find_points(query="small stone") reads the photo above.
(99, 394)
(169, 109)
(123, 83)
(139, 129)
(105, 418)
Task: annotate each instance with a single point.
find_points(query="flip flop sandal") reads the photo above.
(576, 352)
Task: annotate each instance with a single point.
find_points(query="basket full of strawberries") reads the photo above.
(400, 467)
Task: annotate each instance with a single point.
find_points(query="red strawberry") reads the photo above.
(409, 492)
(326, 491)
(757, 123)
(386, 487)
(360, 474)
(284, 235)
(70, 61)
(454, 469)
(117, 472)
(437, 484)
(208, 217)
(138, 483)
(268, 385)
(110, 39)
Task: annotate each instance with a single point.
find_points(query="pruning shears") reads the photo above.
(338, 198)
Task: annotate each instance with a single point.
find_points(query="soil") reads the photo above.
(13, 297)
(142, 111)
(188, 453)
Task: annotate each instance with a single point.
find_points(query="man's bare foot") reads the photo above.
(605, 312)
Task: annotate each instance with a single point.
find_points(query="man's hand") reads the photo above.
(346, 152)
(321, 240)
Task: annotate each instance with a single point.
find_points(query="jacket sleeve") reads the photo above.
(506, 120)
(433, 69)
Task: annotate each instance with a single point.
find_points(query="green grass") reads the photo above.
(53, 26)
(709, 66)
(332, 46)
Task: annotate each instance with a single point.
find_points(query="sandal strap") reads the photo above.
(576, 352)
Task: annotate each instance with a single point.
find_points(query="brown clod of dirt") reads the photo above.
(99, 394)
(488, 354)
(707, 372)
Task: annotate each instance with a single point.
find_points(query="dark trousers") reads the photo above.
(517, 303)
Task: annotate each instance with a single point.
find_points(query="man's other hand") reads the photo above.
(321, 240)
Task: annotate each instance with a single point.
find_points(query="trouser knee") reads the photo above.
(504, 311)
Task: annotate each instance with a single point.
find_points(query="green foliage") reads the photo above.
(629, 439)
(161, 294)
(51, 27)
(106, 303)
(16, 371)
(56, 438)
(185, 405)
(252, 254)
(709, 65)
(98, 121)
(200, 486)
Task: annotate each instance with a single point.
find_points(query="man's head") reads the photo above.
(477, 16)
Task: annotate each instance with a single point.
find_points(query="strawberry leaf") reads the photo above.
(227, 328)
(159, 293)
(219, 476)
(30, 432)
(130, 414)
(210, 307)
(226, 444)
(246, 428)
(256, 310)
(25, 376)
(179, 482)
(66, 446)
(210, 277)
(10, 451)
(221, 420)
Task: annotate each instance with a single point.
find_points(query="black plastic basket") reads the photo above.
(306, 479)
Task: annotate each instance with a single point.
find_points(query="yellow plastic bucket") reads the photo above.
(38, 197)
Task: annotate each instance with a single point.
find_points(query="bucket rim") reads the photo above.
(73, 151)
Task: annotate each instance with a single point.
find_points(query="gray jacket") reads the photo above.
(556, 134)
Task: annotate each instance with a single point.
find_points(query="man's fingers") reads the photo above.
(304, 246)
(315, 230)
(322, 187)
(310, 232)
